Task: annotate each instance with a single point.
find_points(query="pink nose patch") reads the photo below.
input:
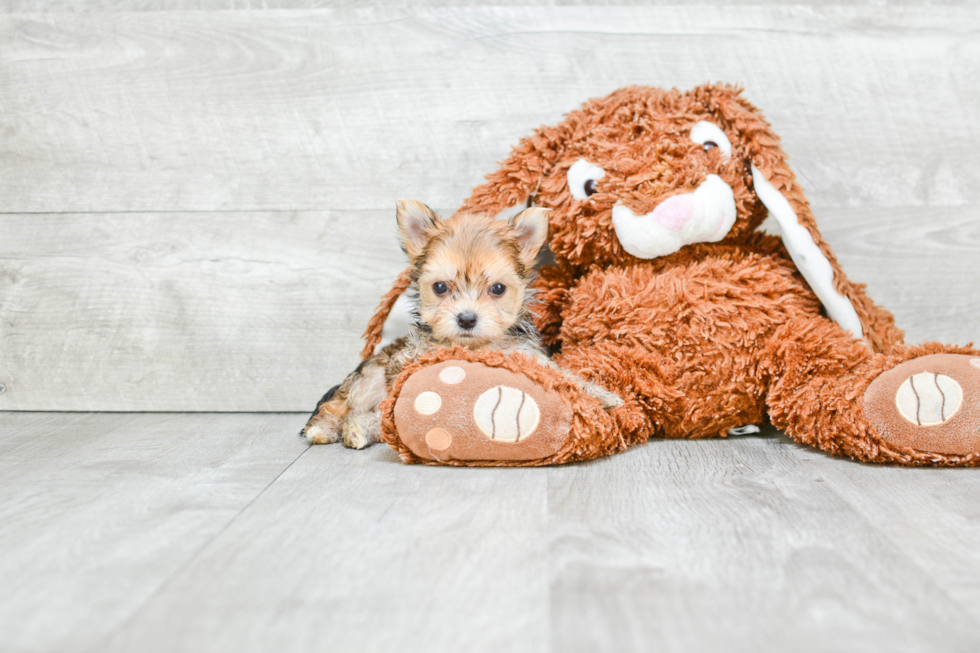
(674, 212)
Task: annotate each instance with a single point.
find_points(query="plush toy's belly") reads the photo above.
(699, 333)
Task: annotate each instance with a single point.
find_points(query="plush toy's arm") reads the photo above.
(385, 322)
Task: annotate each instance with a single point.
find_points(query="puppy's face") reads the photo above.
(473, 271)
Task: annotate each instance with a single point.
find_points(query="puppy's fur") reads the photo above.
(472, 277)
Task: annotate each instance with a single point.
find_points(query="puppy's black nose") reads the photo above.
(466, 320)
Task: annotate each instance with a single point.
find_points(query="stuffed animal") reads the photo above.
(664, 290)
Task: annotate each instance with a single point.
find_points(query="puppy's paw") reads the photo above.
(361, 431)
(322, 429)
(609, 400)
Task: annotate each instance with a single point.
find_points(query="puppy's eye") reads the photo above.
(708, 136)
(582, 178)
(498, 289)
(440, 288)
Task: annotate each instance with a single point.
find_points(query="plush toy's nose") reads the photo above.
(466, 320)
(674, 212)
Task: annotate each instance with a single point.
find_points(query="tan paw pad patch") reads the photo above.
(438, 439)
(929, 399)
(506, 414)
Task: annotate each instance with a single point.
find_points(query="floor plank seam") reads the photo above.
(190, 560)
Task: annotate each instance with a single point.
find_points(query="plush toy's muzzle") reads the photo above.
(704, 216)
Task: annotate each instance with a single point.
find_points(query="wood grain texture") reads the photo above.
(195, 206)
(756, 544)
(27, 6)
(263, 311)
(101, 512)
(353, 551)
(351, 108)
(183, 532)
(227, 311)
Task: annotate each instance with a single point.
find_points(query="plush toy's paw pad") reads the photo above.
(930, 404)
(458, 410)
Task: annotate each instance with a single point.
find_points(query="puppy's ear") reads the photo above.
(531, 227)
(415, 222)
(778, 189)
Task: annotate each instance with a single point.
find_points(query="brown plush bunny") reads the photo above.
(663, 291)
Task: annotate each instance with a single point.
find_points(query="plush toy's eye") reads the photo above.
(708, 136)
(440, 288)
(498, 289)
(582, 178)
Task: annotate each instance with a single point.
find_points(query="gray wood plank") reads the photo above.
(264, 311)
(350, 108)
(757, 544)
(100, 512)
(227, 312)
(160, 532)
(27, 6)
(939, 537)
(352, 551)
(748, 544)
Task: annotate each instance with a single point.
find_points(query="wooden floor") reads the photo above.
(226, 532)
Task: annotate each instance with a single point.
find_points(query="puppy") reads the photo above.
(472, 277)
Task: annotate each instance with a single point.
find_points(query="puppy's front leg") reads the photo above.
(324, 425)
(362, 427)
(609, 400)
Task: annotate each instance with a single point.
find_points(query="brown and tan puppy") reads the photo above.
(471, 279)
(664, 291)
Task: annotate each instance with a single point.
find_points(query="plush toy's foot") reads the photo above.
(929, 404)
(464, 411)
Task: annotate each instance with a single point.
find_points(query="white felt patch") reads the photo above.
(928, 399)
(975, 362)
(811, 262)
(452, 375)
(506, 414)
(399, 322)
(705, 132)
(427, 403)
(704, 216)
(581, 172)
(744, 430)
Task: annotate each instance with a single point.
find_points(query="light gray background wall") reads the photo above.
(196, 205)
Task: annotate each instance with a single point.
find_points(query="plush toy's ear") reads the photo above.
(531, 227)
(777, 188)
(415, 220)
(511, 187)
